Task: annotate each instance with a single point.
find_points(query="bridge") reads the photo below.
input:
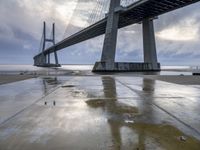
(118, 16)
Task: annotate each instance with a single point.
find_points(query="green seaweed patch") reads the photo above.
(166, 136)
(96, 103)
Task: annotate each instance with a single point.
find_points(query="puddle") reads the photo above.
(51, 81)
(129, 121)
(68, 86)
(78, 93)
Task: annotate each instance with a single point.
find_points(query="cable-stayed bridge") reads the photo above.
(121, 13)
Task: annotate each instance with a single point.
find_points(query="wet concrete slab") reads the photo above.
(17, 96)
(101, 112)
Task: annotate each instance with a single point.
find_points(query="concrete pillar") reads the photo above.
(44, 59)
(109, 46)
(54, 42)
(44, 36)
(56, 58)
(149, 44)
(49, 57)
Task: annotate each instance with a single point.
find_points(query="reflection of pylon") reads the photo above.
(51, 40)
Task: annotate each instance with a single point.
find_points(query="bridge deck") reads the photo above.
(134, 13)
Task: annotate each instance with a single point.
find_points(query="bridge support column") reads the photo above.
(109, 47)
(149, 45)
(108, 63)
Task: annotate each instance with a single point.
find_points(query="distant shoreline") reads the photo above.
(4, 79)
(173, 74)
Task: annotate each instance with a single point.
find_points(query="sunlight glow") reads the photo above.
(65, 12)
(178, 33)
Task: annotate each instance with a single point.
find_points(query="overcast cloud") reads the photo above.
(177, 33)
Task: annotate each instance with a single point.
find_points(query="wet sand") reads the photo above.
(13, 78)
(177, 79)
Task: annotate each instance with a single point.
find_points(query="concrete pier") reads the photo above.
(43, 61)
(126, 67)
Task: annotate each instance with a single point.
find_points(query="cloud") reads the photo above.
(177, 33)
(185, 30)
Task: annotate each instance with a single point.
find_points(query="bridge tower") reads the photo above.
(43, 60)
(108, 63)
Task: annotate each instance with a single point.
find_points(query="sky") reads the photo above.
(177, 33)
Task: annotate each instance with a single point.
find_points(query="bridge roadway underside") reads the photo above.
(132, 14)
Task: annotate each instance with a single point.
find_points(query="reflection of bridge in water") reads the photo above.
(121, 116)
(136, 122)
(141, 11)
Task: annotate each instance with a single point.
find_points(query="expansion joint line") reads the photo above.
(162, 109)
(19, 112)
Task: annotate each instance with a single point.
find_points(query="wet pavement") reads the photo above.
(99, 112)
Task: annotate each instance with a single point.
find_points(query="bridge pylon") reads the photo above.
(108, 63)
(43, 60)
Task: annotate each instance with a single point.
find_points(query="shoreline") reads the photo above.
(176, 79)
(5, 79)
